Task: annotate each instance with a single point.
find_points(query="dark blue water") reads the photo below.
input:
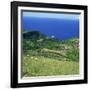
(60, 28)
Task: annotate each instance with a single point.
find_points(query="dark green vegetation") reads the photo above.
(44, 56)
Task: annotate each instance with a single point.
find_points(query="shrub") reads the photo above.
(73, 55)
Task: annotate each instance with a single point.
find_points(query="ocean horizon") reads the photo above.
(59, 28)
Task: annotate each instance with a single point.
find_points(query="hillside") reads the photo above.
(44, 55)
(35, 42)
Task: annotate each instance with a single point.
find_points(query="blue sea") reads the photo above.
(59, 28)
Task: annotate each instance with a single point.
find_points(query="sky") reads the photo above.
(50, 15)
(59, 25)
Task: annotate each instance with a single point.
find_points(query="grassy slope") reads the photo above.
(46, 56)
(42, 66)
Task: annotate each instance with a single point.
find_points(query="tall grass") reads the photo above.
(43, 66)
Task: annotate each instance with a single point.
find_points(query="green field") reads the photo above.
(46, 56)
(42, 66)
